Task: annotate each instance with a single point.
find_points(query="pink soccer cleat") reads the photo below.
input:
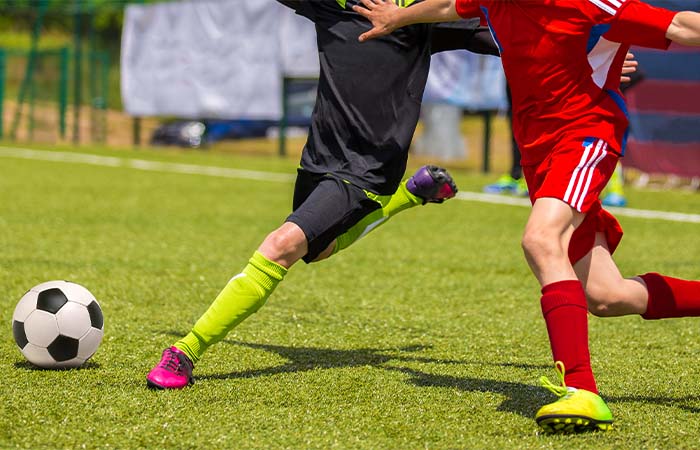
(174, 371)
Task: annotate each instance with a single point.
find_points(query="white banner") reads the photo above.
(470, 81)
(213, 59)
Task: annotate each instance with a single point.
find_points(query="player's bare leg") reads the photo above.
(652, 295)
(546, 240)
(545, 243)
(609, 294)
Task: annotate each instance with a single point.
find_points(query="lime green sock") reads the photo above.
(391, 205)
(242, 296)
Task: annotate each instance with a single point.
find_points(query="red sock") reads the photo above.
(671, 297)
(565, 311)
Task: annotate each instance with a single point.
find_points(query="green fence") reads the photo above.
(35, 93)
(45, 88)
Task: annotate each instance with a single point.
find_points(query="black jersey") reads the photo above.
(369, 94)
(369, 97)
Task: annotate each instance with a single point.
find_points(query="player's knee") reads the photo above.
(538, 244)
(603, 301)
(285, 245)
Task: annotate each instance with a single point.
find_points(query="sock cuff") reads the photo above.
(562, 293)
(658, 291)
(562, 287)
(268, 267)
(413, 198)
(652, 278)
(191, 345)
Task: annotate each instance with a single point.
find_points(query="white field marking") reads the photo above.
(626, 212)
(223, 172)
(141, 164)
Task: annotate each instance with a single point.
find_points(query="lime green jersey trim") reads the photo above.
(381, 199)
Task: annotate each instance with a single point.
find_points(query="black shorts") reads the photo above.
(325, 207)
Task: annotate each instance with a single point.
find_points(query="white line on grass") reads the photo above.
(627, 212)
(214, 171)
(142, 164)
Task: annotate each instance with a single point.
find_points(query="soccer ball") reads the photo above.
(58, 324)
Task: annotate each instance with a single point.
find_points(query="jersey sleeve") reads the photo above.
(641, 24)
(469, 8)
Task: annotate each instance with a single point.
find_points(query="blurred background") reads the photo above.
(240, 76)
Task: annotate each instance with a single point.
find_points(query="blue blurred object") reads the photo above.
(300, 101)
(197, 134)
(615, 199)
(217, 130)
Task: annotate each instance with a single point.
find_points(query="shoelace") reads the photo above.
(172, 363)
(559, 390)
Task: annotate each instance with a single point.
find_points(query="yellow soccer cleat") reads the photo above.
(576, 411)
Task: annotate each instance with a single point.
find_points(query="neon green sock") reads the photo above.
(242, 296)
(391, 205)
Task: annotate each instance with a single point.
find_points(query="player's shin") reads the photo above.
(671, 297)
(243, 295)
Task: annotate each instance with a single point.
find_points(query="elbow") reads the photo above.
(685, 29)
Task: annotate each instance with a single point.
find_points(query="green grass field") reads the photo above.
(425, 334)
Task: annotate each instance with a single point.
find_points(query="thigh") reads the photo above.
(608, 292)
(597, 267)
(328, 210)
(598, 224)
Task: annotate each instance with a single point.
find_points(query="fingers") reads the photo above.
(369, 4)
(364, 12)
(371, 34)
(629, 67)
(378, 12)
(624, 79)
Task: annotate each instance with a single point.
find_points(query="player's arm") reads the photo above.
(386, 16)
(641, 24)
(685, 28)
(452, 36)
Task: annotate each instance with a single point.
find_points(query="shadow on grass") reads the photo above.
(299, 359)
(672, 402)
(523, 399)
(26, 365)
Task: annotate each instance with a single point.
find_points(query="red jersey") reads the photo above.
(563, 60)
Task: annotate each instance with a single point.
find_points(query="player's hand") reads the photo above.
(629, 66)
(381, 14)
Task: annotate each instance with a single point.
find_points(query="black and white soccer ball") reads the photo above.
(58, 324)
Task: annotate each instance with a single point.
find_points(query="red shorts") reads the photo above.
(576, 173)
